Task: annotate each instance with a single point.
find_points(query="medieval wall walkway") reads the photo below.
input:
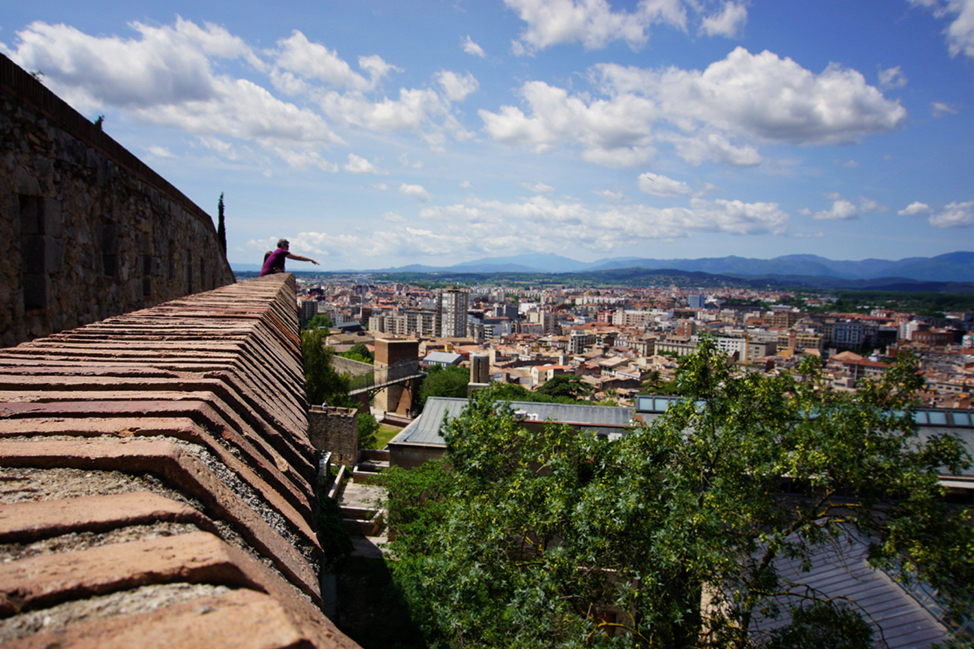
(157, 483)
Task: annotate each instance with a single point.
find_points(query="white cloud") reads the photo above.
(869, 206)
(609, 195)
(841, 210)
(590, 22)
(729, 22)
(657, 185)
(537, 188)
(165, 77)
(358, 165)
(456, 87)
(315, 61)
(716, 114)
(394, 217)
(850, 164)
(416, 191)
(939, 109)
(466, 184)
(160, 152)
(915, 208)
(955, 215)
(892, 78)
(960, 31)
(409, 164)
(762, 96)
(411, 111)
(472, 48)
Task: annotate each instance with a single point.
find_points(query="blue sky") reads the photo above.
(378, 134)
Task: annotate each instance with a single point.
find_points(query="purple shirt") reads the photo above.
(274, 263)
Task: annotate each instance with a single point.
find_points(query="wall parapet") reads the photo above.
(87, 230)
(156, 463)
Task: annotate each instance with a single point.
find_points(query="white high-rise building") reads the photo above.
(451, 308)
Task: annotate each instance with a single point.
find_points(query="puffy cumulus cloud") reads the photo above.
(762, 96)
(594, 24)
(394, 217)
(657, 185)
(954, 215)
(416, 191)
(168, 64)
(841, 210)
(710, 145)
(557, 116)
(728, 22)
(915, 208)
(412, 111)
(165, 77)
(891, 78)
(718, 114)
(298, 55)
(960, 31)
(456, 87)
(359, 165)
(472, 48)
(562, 223)
(243, 110)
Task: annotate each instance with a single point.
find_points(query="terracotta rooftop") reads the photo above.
(157, 483)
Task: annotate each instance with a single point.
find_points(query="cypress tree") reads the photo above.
(221, 228)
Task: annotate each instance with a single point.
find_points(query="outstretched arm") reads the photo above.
(300, 258)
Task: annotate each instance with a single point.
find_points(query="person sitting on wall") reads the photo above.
(274, 262)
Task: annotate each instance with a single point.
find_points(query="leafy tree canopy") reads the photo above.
(322, 382)
(360, 352)
(449, 381)
(566, 386)
(672, 535)
(320, 321)
(368, 426)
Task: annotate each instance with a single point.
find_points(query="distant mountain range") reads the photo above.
(949, 268)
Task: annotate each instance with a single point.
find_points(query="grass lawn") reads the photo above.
(384, 434)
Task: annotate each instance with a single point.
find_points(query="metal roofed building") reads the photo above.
(421, 440)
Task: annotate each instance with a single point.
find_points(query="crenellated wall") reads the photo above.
(157, 480)
(87, 230)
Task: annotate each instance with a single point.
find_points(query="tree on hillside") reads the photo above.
(674, 534)
(221, 227)
(449, 381)
(322, 382)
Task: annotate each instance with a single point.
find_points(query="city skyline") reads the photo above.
(387, 134)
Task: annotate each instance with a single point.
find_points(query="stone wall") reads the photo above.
(158, 482)
(334, 430)
(87, 230)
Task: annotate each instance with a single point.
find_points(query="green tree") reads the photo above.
(449, 381)
(322, 382)
(320, 321)
(221, 227)
(368, 426)
(564, 386)
(674, 532)
(360, 352)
